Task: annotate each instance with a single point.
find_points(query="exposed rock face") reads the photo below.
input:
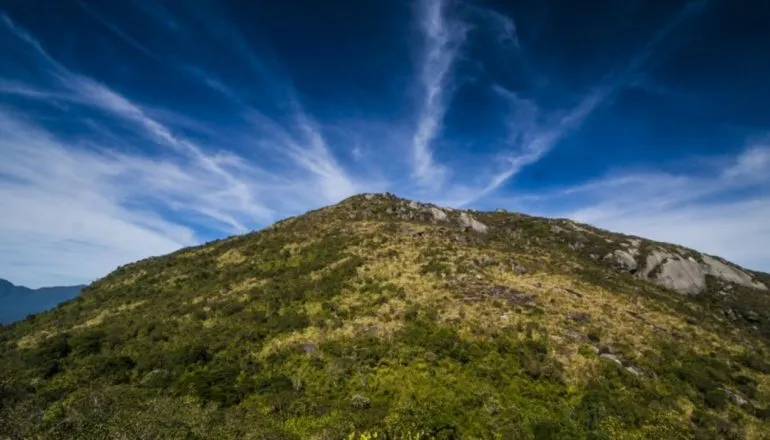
(731, 274)
(684, 275)
(623, 260)
(438, 214)
(467, 221)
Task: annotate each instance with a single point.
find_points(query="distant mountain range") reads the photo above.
(16, 302)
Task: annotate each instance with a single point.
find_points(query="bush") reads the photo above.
(716, 399)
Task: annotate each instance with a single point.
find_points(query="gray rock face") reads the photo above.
(467, 221)
(622, 259)
(684, 276)
(438, 214)
(687, 276)
(729, 273)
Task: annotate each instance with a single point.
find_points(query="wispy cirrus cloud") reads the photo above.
(443, 37)
(533, 133)
(96, 206)
(504, 26)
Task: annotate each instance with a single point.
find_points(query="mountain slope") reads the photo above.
(16, 302)
(412, 321)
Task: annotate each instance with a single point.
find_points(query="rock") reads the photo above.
(414, 205)
(518, 269)
(735, 398)
(501, 210)
(556, 229)
(467, 221)
(368, 196)
(687, 276)
(674, 272)
(751, 316)
(309, 347)
(511, 295)
(360, 401)
(730, 313)
(623, 260)
(731, 274)
(576, 246)
(579, 316)
(634, 371)
(438, 214)
(611, 358)
(573, 335)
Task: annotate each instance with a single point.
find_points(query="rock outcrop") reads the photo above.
(685, 275)
(438, 214)
(467, 221)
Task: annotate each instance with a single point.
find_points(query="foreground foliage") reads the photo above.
(357, 322)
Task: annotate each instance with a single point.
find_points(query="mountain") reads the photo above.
(16, 302)
(408, 320)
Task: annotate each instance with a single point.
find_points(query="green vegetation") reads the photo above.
(342, 324)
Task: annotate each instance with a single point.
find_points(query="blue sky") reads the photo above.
(133, 128)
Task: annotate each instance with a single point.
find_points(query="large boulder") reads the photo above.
(438, 214)
(467, 221)
(688, 276)
(622, 259)
(730, 273)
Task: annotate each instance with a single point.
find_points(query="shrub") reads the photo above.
(716, 399)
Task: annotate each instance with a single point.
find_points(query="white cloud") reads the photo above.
(78, 208)
(505, 26)
(64, 215)
(753, 164)
(533, 134)
(443, 37)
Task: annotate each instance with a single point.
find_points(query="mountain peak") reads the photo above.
(392, 316)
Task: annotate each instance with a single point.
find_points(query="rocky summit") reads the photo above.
(385, 318)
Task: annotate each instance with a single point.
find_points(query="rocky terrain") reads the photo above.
(385, 317)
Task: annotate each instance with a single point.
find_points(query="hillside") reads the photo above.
(16, 302)
(381, 315)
